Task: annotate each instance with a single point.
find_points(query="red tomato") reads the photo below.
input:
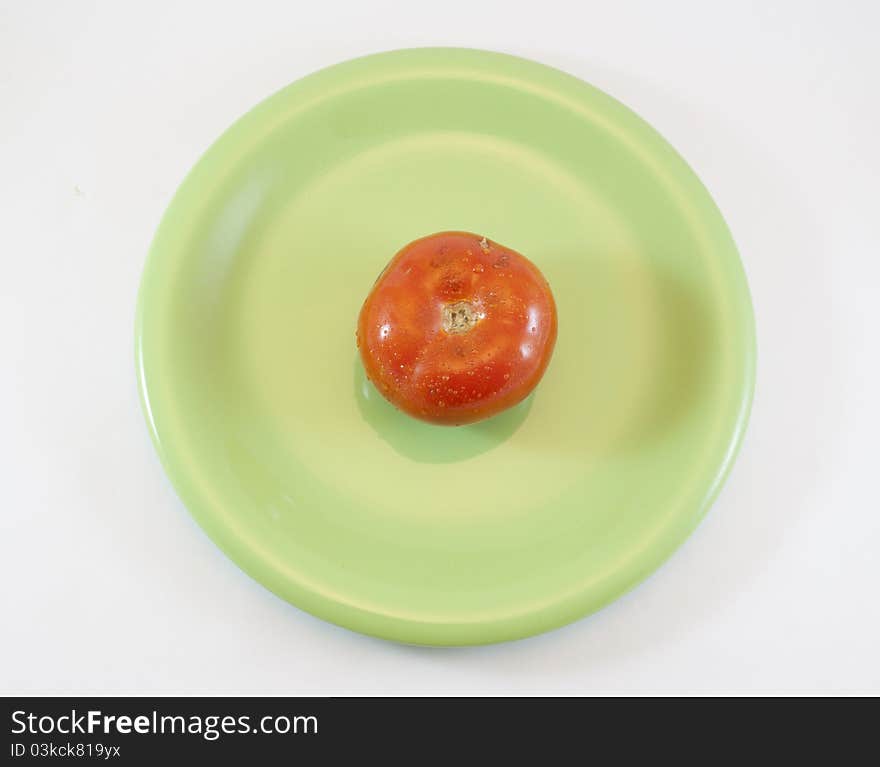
(457, 328)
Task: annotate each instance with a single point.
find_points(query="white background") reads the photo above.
(107, 586)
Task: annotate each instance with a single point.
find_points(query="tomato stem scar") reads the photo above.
(459, 317)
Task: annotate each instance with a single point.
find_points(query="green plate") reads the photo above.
(300, 471)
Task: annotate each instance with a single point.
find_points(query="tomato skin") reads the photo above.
(457, 328)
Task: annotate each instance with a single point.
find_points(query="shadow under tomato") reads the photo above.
(429, 443)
